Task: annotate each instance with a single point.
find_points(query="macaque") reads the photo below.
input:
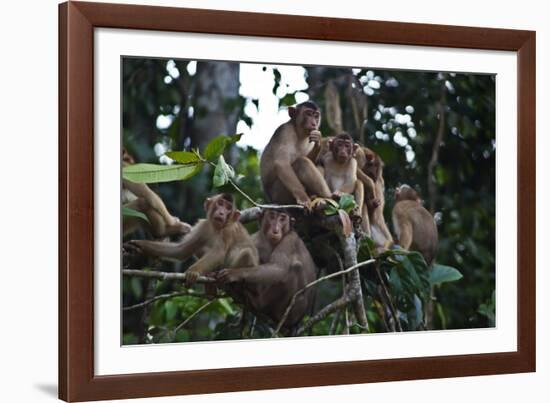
(339, 168)
(140, 197)
(286, 266)
(370, 170)
(220, 241)
(287, 166)
(414, 226)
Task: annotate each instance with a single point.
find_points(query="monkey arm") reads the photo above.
(405, 234)
(314, 153)
(359, 194)
(210, 261)
(175, 250)
(369, 185)
(264, 274)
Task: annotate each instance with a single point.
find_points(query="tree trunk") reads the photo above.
(216, 105)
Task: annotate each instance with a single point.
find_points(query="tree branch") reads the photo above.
(334, 306)
(349, 244)
(165, 296)
(186, 321)
(164, 275)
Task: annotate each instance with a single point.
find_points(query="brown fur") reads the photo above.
(413, 224)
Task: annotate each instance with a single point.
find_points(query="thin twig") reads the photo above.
(266, 206)
(337, 305)
(165, 296)
(186, 321)
(388, 297)
(334, 323)
(314, 283)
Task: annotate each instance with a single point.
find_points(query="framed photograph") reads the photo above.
(256, 201)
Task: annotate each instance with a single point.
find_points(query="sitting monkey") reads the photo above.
(287, 166)
(219, 240)
(286, 266)
(339, 169)
(414, 226)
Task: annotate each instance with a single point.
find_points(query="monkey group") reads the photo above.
(268, 268)
(298, 165)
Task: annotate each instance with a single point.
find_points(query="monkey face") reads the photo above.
(342, 150)
(311, 119)
(305, 117)
(220, 211)
(275, 225)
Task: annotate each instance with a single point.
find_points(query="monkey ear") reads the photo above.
(369, 156)
(236, 215)
(206, 204)
(292, 112)
(292, 222)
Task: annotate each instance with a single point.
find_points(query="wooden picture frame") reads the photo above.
(77, 21)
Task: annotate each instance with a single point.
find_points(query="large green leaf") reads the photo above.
(217, 146)
(443, 274)
(153, 173)
(130, 212)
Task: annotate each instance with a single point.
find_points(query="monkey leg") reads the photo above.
(311, 178)
(151, 198)
(244, 257)
(279, 193)
(365, 222)
(378, 219)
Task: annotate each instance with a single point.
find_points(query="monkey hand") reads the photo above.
(374, 203)
(303, 200)
(191, 277)
(226, 276)
(315, 137)
(133, 247)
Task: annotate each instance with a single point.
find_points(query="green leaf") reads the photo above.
(154, 173)
(217, 146)
(223, 173)
(226, 306)
(183, 157)
(171, 310)
(347, 203)
(130, 212)
(443, 274)
(331, 210)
